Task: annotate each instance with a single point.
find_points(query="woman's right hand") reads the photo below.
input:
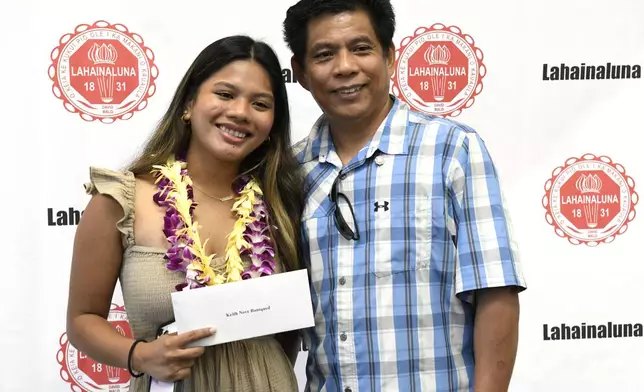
(167, 358)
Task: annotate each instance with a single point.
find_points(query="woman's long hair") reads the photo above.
(272, 163)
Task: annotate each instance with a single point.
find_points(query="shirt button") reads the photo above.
(347, 389)
(343, 336)
(343, 281)
(343, 176)
(380, 160)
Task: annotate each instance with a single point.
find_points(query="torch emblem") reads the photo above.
(438, 57)
(588, 185)
(104, 55)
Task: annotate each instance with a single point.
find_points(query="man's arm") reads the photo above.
(488, 271)
(496, 335)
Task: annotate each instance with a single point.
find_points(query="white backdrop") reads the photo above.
(531, 125)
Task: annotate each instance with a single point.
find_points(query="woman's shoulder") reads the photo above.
(102, 179)
(117, 185)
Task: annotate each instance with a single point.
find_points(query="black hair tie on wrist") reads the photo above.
(129, 358)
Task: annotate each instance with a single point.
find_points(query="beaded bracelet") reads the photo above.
(129, 358)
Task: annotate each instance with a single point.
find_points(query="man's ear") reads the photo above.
(299, 73)
(391, 59)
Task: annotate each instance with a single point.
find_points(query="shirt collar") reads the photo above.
(388, 139)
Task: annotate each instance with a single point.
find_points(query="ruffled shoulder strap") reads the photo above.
(121, 187)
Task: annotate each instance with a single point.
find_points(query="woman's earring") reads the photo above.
(185, 118)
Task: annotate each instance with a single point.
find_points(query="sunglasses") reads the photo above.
(340, 223)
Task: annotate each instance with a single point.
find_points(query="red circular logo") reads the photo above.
(85, 374)
(439, 71)
(103, 72)
(590, 200)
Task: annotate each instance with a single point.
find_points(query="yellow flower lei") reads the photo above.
(187, 252)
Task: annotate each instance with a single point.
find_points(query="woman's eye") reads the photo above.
(263, 105)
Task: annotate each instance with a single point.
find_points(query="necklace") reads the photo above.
(222, 199)
(249, 238)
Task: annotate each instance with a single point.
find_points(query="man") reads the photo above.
(414, 270)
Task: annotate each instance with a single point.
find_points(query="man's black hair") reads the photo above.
(381, 14)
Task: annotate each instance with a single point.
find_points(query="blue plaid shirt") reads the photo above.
(394, 310)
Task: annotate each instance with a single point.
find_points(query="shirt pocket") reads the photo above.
(401, 240)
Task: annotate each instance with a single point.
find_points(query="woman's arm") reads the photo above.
(96, 263)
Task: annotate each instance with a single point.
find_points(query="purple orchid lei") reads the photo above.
(249, 238)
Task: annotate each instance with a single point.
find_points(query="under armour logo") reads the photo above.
(385, 206)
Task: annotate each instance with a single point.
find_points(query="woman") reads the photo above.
(224, 139)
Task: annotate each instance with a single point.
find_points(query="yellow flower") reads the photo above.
(243, 206)
(236, 237)
(254, 187)
(183, 208)
(238, 228)
(234, 276)
(234, 268)
(214, 278)
(199, 249)
(172, 173)
(232, 255)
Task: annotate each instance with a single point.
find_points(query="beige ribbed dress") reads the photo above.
(255, 365)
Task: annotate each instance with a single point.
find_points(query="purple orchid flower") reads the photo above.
(161, 197)
(172, 223)
(256, 238)
(260, 210)
(262, 248)
(256, 227)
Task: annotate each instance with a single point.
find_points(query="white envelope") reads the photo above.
(246, 309)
